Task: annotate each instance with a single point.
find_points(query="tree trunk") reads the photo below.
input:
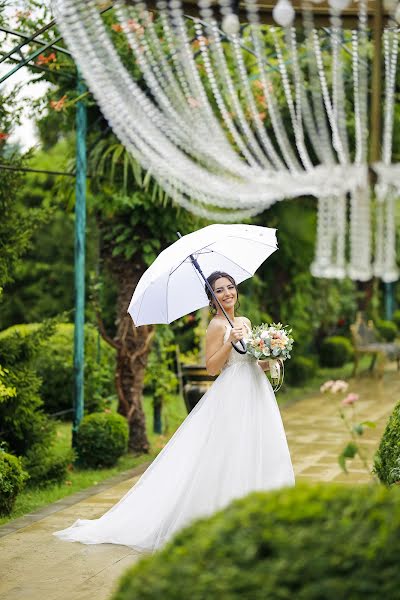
(133, 345)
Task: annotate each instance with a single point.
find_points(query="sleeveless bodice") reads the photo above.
(234, 357)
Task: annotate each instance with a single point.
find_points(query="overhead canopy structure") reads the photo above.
(233, 120)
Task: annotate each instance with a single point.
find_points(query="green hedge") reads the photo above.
(335, 351)
(387, 458)
(101, 439)
(299, 369)
(12, 480)
(387, 330)
(26, 431)
(325, 542)
(54, 365)
(396, 318)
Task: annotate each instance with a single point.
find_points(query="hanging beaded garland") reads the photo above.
(233, 117)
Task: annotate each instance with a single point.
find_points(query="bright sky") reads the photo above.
(25, 133)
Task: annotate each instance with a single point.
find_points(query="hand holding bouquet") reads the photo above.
(274, 343)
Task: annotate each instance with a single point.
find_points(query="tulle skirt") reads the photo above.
(232, 443)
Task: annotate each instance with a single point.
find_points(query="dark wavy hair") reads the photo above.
(211, 280)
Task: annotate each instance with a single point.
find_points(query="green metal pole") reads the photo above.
(80, 227)
(389, 301)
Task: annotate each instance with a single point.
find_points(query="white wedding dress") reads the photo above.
(232, 443)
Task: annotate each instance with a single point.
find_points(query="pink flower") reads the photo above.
(326, 386)
(350, 399)
(339, 386)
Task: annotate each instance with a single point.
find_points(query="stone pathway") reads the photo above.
(36, 565)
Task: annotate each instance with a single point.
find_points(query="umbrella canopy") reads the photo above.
(172, 287)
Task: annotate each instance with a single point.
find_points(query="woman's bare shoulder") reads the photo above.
(246, 320)
(215, 326)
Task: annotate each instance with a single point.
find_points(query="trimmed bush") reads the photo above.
(299, 369)
(54, 365)
(12, 480)
(325, 542)
(101, 439)
(396, 318)
(26, 431)
(387, 458)
(387, 330)
(45, 466)
(335, 351)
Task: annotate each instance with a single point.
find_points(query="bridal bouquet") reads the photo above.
(274, 343)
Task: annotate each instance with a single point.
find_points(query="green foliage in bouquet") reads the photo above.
(387, 458)
(12, 481)
(335, 351)
(305, 543)
(101, 439)
(387, 330)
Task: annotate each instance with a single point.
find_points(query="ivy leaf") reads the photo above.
(358, 428)
(370, 424)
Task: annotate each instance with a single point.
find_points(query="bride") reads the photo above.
(232, 443)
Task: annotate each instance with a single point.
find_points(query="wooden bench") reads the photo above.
(366, 341)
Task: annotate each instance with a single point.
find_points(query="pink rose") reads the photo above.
(350, 399)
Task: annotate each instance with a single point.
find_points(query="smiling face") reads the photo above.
(226, 292)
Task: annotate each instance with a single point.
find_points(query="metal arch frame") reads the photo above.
(80, 204)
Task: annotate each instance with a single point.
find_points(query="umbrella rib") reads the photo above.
(233, 262)
(231, 236)
(166, 291)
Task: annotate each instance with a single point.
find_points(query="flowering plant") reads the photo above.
(270, 341)
(354, 428)
(273, 343)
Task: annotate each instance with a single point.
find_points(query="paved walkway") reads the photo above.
(36, 565)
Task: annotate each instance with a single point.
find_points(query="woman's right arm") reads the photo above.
(217, 351)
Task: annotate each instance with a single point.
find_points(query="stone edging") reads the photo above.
(54, 507)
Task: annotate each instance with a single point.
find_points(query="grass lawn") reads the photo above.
(173, 415)
(78, 479)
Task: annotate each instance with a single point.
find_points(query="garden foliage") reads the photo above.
(299, 369)
(54, 365)
(387, 330)
(306, 543)
(387, 458)
(26, 431)
(336, 351)
(12, 480)
(101, 439)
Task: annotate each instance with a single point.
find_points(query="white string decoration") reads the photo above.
(227, 132)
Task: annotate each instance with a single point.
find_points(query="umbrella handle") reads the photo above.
(196, 265)
(242, 350)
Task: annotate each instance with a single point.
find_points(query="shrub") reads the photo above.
(299, 369)
(54, 365)
(335, 351)
(45, 466)
(387, 458)
(387, 330)
(22, 420)
(26, 430)
(12, 480)
(396, 318)
(101, 439)
(303, 543)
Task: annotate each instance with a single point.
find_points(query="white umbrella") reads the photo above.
(173, 285)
